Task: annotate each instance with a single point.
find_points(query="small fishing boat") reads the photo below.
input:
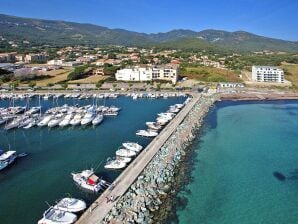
(71, 205)
(7, 158)
(89, 181)
(132, 146)
(56, 216)
(123, 152)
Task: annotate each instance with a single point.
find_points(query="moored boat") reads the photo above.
(56, 216)
(71, 205)
(132, 146)
(7, 158)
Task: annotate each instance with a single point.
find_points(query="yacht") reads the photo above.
(89, 181)
(33, 110)
(14, 123)
(87, 119)
(66, 121)
(132, 146)
(56, 216)
(76, 120)
(7, 158)
(154, 125)
(31, 124)
(71, 205)
(115, 164)
(147, 133)
(123, 152)
(97, 120)
(124, 159)
(45, 121)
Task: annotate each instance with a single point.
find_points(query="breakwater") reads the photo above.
(146, 194)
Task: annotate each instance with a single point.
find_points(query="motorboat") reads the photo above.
(7, 158)
(132, 146)
(97, 120)
(147, 133)
(123, 152)
(154, 125)
(71, 205)
(87, 180)
(66, 121)
(31, 124)
(56, 216)
(87, 119)
(25, 122)
(124, 159)
(115, 164)
(45, 121)
(76, 120)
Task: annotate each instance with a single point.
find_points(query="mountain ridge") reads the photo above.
(63, 33)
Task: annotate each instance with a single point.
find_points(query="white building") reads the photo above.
(267, 74)
(148, 73)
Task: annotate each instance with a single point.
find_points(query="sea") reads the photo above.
(33, 183)
(244, 166)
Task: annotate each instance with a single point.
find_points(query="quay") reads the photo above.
(102, 206)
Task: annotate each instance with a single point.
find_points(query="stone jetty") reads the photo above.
(144, 195)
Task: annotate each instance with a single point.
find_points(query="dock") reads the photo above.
(101, 207)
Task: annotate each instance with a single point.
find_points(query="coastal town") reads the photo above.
(108, 125)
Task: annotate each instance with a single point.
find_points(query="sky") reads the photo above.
(271, 18)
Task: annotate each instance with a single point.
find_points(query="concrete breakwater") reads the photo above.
(147, 193)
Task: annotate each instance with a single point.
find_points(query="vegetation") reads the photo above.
(78, 73)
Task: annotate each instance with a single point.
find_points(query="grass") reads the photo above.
(210, 74)
(89, 79)
(291, 73)
(56, 77)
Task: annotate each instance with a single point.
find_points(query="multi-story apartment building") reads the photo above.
(148, 73)
(267, 74)
(35, 58)
(7, 57)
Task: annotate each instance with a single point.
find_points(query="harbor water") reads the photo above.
(245, 166)
(45, 174)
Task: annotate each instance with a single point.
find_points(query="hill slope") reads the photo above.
(63, 33)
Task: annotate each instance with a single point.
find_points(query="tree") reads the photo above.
(64, 85)
(32, 84)
(78, 73)
(158, 86)
(99, 84)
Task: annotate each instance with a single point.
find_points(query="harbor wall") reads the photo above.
(146, 195)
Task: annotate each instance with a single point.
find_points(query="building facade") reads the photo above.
(267, 74)
(35, 58)
(148, 73)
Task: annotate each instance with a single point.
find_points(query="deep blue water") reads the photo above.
(243, 152)
(44, 175)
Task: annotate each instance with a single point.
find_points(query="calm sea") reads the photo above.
(245, 166)
(44, 175)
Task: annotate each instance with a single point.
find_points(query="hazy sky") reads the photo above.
(273, 18)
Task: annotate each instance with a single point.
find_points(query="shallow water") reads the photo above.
(44, 175)
(245, 168)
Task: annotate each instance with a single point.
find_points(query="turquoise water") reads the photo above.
(44, 175)
(232, 179)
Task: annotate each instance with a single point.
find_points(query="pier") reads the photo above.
(102, 206)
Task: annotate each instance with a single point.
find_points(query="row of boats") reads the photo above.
(154, 127)
(18, 117)
(76, 95)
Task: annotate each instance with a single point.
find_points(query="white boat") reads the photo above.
(154, 125)
(71, 205)
(124, 159)
(76, 120)
(55, 121)
(7, 158)
(31, 124)
(66, 121)
(115, 165)
(147, 133)
(89, 181)
(45, 121)
(87, 119)
(33, 110)
(125, 152)
(133, 146)
(56, 216)
(14, 123)
(97, 120)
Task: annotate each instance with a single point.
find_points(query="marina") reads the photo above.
(55, 153)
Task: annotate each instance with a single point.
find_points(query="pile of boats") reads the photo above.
(19, 117)
(162, 119)
(124, 156)
(63, 212)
